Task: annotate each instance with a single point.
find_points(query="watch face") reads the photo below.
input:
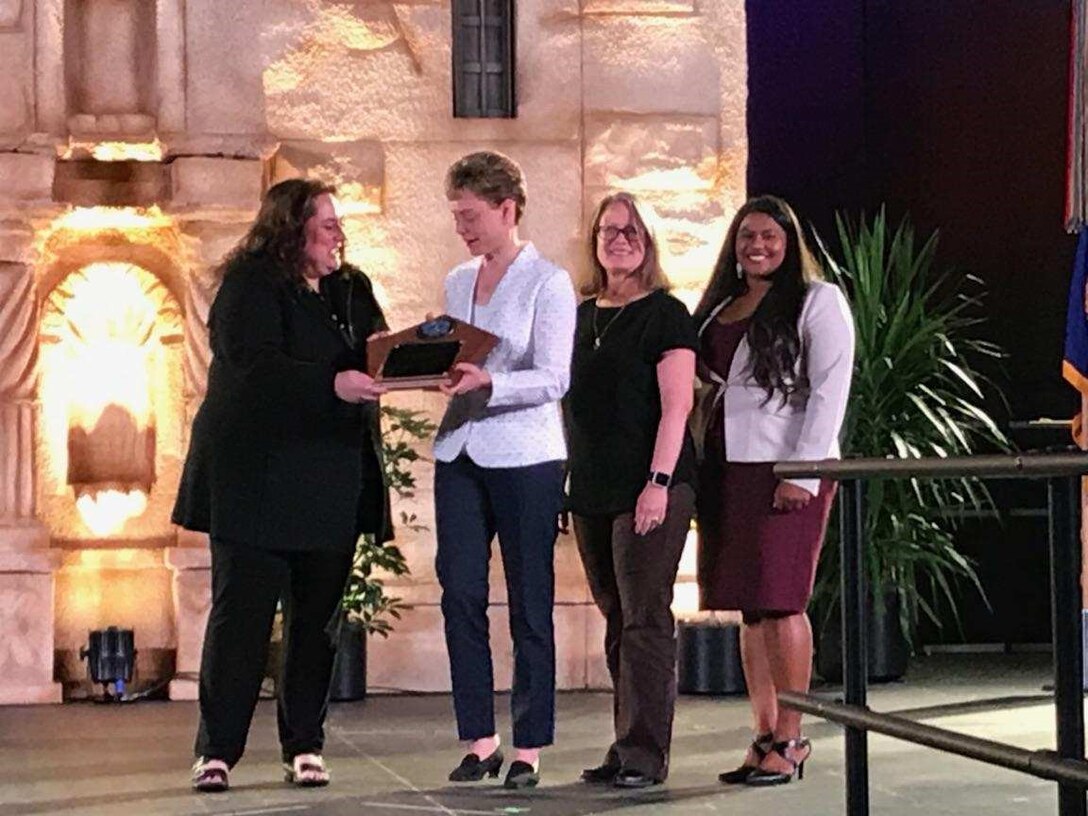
(435, 329)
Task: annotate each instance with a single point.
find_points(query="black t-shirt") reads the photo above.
(613, 407)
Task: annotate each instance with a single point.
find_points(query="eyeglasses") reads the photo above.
(630, 233)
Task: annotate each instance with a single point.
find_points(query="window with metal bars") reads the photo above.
(483, 59)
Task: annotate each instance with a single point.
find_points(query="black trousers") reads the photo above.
(631, 578)
(522, 505)
(246, 584)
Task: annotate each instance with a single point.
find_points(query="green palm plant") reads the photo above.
(917, 391)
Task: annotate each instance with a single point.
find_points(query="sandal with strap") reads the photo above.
(210, 775)
(759, 747)
(765, 779)
(306, 771)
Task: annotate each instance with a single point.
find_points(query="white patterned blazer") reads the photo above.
(532, 312)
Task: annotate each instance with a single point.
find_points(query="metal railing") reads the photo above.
(1066, 765)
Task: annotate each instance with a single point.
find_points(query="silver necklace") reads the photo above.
(599, 335)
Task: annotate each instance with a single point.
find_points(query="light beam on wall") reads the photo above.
(98, 378)
(115, 151)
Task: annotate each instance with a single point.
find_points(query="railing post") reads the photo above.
(855, 648)
(1065, 610)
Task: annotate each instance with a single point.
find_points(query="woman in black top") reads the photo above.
(631, 474)
(283, 472)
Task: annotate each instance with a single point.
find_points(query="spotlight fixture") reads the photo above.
(111, 657)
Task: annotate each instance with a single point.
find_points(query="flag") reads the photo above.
(1075, 364)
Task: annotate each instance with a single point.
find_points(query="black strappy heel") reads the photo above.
(765, 779)
(760, 746)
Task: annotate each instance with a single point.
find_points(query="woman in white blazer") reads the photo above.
(500, 465)
(776, 352)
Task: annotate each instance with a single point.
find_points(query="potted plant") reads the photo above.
(368, 608)
(917, 391)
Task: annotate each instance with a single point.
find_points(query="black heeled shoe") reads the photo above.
(766, 779)
(473, 769)
(630, 778)
(521, 775)
(601, 775)
(738, 776)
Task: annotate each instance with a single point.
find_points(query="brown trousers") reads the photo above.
(631, 578)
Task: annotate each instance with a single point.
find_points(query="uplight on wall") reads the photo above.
(111, 658)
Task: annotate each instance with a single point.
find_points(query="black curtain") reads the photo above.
(953, 111)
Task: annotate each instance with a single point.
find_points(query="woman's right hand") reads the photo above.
(789, 497)
(356, 386)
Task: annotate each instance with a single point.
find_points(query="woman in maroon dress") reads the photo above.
(777, 351)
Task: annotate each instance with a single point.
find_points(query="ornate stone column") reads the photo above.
(18, 381)
(26, 564)
(190, 561)
(191, 564)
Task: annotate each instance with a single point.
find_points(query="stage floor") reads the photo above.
(389, 756)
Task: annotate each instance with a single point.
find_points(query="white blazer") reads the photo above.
(532, 311)
(806, 426)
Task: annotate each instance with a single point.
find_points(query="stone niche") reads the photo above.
(109, 70)
(109, 56)
(111, 404)
(110, 426)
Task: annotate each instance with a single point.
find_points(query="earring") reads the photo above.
(740, 270)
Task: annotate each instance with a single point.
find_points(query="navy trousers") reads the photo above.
(521, 505)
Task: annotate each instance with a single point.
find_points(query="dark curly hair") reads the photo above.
(772, 333)
(279, 232)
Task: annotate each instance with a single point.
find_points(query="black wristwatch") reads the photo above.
(660, 478)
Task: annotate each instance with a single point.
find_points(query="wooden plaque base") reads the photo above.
(423, 355)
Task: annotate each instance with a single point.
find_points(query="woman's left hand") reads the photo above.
(789, 497)
(466, 377)
(650, 509)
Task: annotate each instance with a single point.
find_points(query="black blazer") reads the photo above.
(276, 459)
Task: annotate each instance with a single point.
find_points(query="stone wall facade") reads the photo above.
(196, 107)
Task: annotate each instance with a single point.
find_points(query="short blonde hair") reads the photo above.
(651, 274)
(492, 176)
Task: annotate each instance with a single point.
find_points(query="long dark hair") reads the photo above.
(772, 332)
(279, 232)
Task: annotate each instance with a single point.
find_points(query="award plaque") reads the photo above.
(424, 355)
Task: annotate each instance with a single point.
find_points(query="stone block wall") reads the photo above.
(645, 95)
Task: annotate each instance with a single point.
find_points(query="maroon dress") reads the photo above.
(751, 557)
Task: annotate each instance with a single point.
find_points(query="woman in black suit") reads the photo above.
(283, 472)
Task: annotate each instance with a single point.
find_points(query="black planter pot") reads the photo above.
(349, 668)
(889, 651)
(708, 659)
